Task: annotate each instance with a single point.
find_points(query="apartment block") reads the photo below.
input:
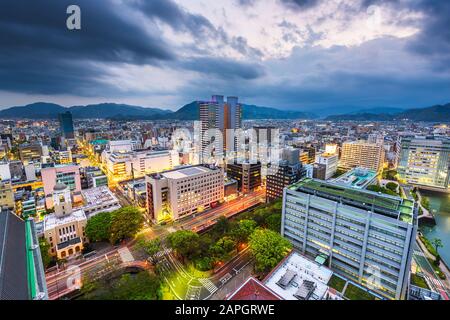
(364, 236)
(362, 154)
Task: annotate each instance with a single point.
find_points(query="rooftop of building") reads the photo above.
(253, 289)
(298, 278)
(185, 172)
(98, 196)
(387, 205)
(51, 220)
(358, 178)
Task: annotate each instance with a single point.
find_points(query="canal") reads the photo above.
(440, 206)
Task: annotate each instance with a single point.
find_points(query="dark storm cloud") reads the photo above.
(38, 54)
(170, 13)
(433, 41)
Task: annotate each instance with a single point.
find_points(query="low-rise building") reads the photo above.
(247, 175)
(99, 199)
(65, 228)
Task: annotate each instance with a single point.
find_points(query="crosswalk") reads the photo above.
(211, 287)
(163, 252)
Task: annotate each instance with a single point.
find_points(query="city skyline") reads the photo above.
(299, 55)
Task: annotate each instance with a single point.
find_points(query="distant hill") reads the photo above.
(42, 110)
(438, 113)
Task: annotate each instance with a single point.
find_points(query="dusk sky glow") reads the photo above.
(293, 54)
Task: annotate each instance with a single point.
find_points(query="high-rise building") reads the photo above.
(425, 162)
(247, 175)
(22, 274)
(362, 154)
(178, 193)
(365, 236)
(218, 115)
(65, 228)
(66, 125)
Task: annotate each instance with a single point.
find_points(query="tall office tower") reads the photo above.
(362, 154)
(425, 161)
(365, 236)
(330, 161)
(218, 115)
(66, 125)
(22, 274)
(288, 171)
(178, 193)
(247, 175)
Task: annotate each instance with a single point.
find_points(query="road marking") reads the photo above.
(211, 287)
(225, 278)
(193, 293)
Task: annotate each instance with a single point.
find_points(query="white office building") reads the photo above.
(178, 193)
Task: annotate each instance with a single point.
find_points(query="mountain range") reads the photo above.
(440, 113)
(44, 110)
(190, 111)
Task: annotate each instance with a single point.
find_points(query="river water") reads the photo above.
(440, 206)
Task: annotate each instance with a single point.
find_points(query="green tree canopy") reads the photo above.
(243, 230)
(391, 186)
(98, 228)
(140, 286)
(274, 222)
(184, 242)
(268, 248)
(222, 247)
(125, 223)
(151, 247)
(222, 225)
(44, 246)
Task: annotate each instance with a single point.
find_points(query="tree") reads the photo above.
(437, 243)
(274, 222)
(392, 186)
(222, 225)
(185, 243)
(141, 286)
(125, 223)
(98, 228)
(151, 247)
(243, 230)
(222, 247)
(44, 246)
(268, 248)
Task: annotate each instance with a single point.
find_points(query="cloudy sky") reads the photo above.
(293, 54)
